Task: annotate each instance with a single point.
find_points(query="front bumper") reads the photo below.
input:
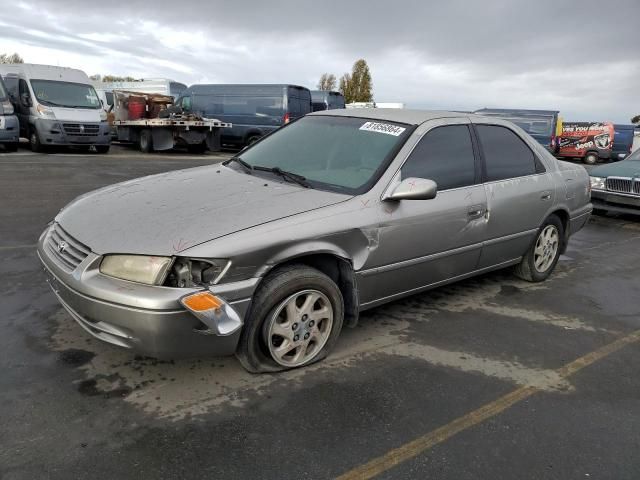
(616, 202)
(146, 319)
(11, 131)
(56, 132)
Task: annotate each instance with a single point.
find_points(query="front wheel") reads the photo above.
(590, 158)
(295, 319)
(34, 142)
(542, 257)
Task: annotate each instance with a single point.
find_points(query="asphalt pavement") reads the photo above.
(490, 378)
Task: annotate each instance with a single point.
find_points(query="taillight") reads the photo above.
(286, 118)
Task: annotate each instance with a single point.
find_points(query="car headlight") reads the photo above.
(190, 272)
(598, 183)
(45, 111)
(7, 107)
(136, 268)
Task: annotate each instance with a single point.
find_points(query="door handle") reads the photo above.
(546, 195)
(476, 211)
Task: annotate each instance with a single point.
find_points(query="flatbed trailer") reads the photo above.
(177, 129)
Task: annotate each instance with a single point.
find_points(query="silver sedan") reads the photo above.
(269, 254)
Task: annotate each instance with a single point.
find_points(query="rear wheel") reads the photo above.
(542, 256)
(145, 142)
(295, 319)
(590, 158)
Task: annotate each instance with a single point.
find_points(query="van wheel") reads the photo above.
(34, 142)
(145, 142)
(102, 148)
(542, 257)
(295, 319)
(590, 158)
(251, 140)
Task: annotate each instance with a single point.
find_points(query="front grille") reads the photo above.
(81, 129)
(620, 185)
(636, 186)
(64, 249)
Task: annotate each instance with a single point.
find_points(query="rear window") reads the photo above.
(505, 153)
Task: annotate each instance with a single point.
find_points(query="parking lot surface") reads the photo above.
(492, 377)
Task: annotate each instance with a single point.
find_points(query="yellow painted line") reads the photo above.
(414, 448)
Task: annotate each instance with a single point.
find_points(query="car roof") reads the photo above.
(400, 115)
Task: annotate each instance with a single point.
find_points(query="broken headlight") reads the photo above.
(191, 272)
(136, 268)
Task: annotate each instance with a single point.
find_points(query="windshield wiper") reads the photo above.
(244, 164)
(294, 177)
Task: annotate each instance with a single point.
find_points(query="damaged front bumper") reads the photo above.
(147, 319)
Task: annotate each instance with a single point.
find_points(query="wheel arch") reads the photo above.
(563, 215)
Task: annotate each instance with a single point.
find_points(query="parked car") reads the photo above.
(616, 187)
(56, 106)
(589, 141)
(622, 141)
(268, 254)
(254, 110)
(543, 125)
(9, 129)
(323, 100)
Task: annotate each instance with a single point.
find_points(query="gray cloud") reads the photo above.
(579, 57)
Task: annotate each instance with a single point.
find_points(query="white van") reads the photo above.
(56, 106)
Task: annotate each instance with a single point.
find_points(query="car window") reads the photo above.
(444, 155)
(505, 153)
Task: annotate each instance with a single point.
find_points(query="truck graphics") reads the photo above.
(580, 138)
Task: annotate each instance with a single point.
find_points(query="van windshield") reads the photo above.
(341, 154)
(65, 94)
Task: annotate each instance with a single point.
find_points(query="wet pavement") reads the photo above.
(442, 361)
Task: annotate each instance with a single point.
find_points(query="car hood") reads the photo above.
(625, 168)
(168, 213)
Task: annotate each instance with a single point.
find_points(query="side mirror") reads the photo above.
(25, 98)
(414, 189)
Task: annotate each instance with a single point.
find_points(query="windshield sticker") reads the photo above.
(383, 128)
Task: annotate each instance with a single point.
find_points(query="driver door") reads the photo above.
(424, 242)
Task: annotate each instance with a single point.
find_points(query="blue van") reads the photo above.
(540, 124)
(622, 141)
(323, 100)
(9, 126)
(254, 110)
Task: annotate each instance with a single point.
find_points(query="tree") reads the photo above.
(356, 86)
(327, 82)
(14, 58)
(636, 119)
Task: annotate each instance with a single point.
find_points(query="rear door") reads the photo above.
(519, 194)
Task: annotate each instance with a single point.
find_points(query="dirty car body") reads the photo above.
(366, 220)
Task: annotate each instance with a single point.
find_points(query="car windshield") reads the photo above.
(65, 94)
(336, 153)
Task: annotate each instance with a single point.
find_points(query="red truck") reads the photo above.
(587, 140)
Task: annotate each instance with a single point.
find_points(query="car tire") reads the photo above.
(34, 142)
(102, 148)
(11, 147)
(542, 256)
(279, 305)
(145, 142)
(590, 158)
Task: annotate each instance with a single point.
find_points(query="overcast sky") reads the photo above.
(579, 57)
